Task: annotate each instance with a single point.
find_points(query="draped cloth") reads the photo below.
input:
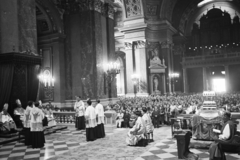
(33, 81)
(6, 74)
(136, 133)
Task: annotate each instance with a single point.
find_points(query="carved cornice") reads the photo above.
(127, 45)
(22, 58)
(152, 45)
(76, 6)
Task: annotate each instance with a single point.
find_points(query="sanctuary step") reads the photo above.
(15, 136)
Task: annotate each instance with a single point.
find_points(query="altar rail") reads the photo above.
(69, 118)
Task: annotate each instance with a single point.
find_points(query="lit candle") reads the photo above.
(53, 82)
(45, 82)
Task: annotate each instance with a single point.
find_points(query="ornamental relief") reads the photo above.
(133, 8)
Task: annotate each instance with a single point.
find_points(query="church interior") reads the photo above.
(165, 56)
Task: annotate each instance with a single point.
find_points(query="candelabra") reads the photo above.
(47, 81)
(112, 70)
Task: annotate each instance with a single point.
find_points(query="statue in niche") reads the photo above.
(156, 87)
(156, 61)
(155, 81)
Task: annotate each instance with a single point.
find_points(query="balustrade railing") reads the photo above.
(70, 118)
(204, 57)
(65, 117)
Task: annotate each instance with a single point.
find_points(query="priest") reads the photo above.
(80, 110)
(36, 127)
(100, 132)
(216, 150)
(91, 124)
(27, 120)
(7, 125)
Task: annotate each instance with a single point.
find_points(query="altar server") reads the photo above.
(100, 132)
(80, 110)
(27, 120)
(91, 124)
(36, 127)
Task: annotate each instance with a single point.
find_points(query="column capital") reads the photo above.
(128, 45)
(141, 44)
(166, 44)
(152, 45)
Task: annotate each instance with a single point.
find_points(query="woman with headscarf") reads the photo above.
(36, 127)
(136, 134)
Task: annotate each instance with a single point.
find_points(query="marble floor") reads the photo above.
(70, 144)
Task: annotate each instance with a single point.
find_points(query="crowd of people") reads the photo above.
(162, 108)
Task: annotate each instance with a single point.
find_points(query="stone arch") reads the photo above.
(185, 15)
(53, 14)
(166, 10)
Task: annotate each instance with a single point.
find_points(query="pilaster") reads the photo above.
(129, 67)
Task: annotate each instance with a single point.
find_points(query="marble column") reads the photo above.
(18, 26)
(185, 80)
(205, 78)
(129, 70)
(227, 78)
(141, 68)
(90, 37)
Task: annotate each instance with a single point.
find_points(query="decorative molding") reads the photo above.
(166, 44)
(127, 45)
(23, 58)
(133, 8)
(76, 6)
(152, 45)
(152, 9)
(141, 44)
(179, 49)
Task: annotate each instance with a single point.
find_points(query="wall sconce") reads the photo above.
(47, 79)
(135, 78)
(113, 68)
(174, 75)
